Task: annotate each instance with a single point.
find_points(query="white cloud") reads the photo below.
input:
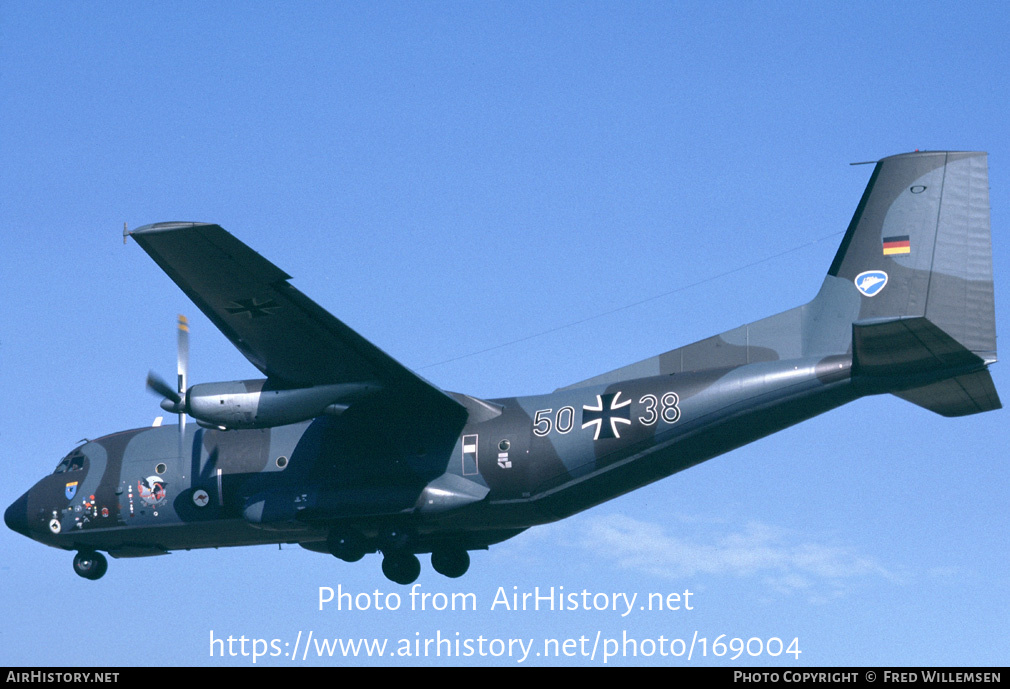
(787, 562)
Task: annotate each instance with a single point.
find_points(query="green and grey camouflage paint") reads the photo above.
(382, 460)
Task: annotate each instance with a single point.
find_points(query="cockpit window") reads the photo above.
(72, 462)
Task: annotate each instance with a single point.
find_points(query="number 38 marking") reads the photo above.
(656, 408)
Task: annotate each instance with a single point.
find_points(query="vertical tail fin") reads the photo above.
(918, 253)
(919, 246)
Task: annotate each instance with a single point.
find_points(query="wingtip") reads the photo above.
(918, 152)
(167, 227)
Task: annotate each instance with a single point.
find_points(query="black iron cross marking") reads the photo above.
(253, 307)
(606, 415)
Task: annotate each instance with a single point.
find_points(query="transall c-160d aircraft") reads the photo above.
(343, 450)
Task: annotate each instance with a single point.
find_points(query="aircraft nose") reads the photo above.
(16, 516)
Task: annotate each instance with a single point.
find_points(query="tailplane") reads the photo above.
(919, 362)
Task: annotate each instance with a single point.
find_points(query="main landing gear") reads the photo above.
(346, 545)
(90, 565)
(399, 563)
(450, 562)
(403, 568)
(400, 567)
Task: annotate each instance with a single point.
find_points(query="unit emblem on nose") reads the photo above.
(71, 490)
(152, 490)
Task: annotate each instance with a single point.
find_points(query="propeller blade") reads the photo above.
(175, 400)
(182, 368)
(156, 384)
(183, 354)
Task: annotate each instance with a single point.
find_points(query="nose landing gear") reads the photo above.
(90, 564)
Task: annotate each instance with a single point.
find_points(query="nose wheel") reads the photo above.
(90, 565)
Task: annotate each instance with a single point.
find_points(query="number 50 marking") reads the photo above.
(656, 408)
(564, 421)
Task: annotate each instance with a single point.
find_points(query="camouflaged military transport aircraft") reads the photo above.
(344, 451)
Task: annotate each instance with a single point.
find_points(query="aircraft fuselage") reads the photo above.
(540, 459)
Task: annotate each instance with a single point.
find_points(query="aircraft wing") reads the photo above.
(286, 335)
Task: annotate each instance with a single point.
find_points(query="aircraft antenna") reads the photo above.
(629, 305)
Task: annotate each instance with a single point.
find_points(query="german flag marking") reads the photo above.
(897, 245)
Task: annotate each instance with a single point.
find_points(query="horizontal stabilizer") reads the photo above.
(972, 393)
(906, 346)
(902, 350)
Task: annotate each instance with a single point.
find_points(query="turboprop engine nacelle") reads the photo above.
(257, 404)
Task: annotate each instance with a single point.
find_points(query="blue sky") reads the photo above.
(447, 178)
